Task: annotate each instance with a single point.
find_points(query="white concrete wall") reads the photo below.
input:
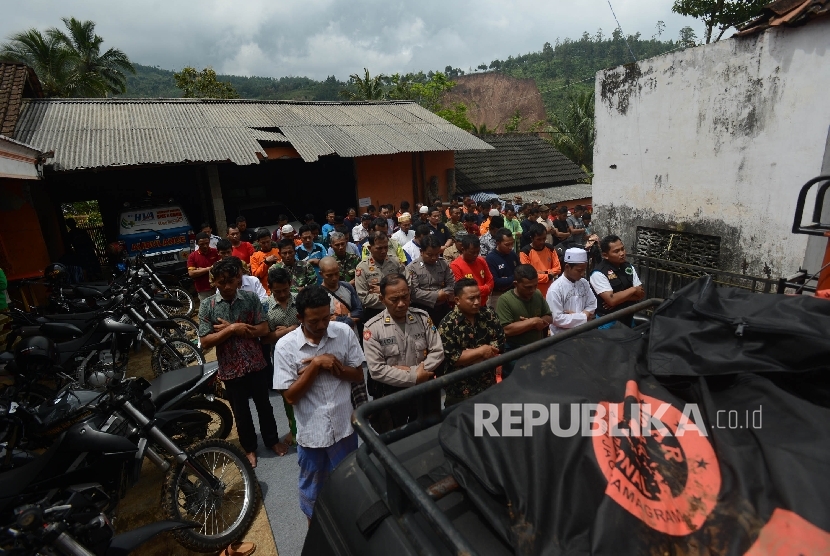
(717, 140)
(17, 161)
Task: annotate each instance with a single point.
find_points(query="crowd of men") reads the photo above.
(407, 298)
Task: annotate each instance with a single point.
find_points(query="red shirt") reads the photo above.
(244, 251)
(478, 271)
(197, 260)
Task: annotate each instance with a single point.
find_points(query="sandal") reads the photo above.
(239, 549)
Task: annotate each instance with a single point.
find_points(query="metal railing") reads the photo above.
(661, 278)
(399, 490)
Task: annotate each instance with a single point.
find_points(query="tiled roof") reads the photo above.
(786, 13)
(518, 162)
(16, 81)
(96, 133)
(554, 195)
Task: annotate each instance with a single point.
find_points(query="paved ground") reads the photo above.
(278, 477)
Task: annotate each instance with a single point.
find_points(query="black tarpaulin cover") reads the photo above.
(704, 441)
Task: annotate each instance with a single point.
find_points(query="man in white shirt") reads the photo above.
(249, 283)
(570, 298)
(314, 368)
(360, 233)
(413, 248)
(405, 233)
(214, 239)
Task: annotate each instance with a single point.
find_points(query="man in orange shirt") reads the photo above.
(470, 265)
(542, 257)
(265, 258)
(485, 226)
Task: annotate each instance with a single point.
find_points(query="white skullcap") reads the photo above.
(494, 212)
(287, 229)
(575, 255)
(424, 210)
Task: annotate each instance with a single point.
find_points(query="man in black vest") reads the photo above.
(615, 282)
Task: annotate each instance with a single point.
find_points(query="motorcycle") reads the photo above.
(104, 438)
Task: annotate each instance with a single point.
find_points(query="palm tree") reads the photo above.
(45, 55)
(365, 88)
(573, 131)
(70, 64)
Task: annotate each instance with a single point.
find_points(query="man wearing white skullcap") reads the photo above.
(570, 298)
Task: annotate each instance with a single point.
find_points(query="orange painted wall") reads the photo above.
(23, 251)
(389, 178)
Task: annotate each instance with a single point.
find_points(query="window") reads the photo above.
(682, 247)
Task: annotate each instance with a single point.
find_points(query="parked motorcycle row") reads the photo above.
(75, 430)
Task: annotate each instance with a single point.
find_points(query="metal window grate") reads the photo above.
(680, 247)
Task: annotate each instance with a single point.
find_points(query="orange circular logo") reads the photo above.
(660, 466)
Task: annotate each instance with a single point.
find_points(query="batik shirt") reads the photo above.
(237, 356)
(302, 275)
(457, 334)
(277, 316)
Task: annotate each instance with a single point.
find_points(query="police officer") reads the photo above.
(368, 274)
(615, 281)
(431, 280)
(402, 348)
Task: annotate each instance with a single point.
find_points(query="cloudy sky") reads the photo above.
(317, 38)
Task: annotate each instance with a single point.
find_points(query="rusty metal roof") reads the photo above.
(96, 133)
(790, 13)
(522, 161)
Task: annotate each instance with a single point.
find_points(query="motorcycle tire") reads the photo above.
(187, 308)
(222, 416)
(186, 498)
(163, 359)
(187, 330)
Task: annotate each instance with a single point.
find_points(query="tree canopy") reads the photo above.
(70, 63)
(719, 15)
(203, 84)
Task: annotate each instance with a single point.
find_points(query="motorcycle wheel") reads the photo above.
(187, 330)
(224, 514)
(221, 415)
(164, 358)
(187, 308)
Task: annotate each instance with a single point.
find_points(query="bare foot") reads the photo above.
(289, 439)
(280, 449)
(251, 458)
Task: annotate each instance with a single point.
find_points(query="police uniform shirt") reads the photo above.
(425, 281)
(370, 273)
(387, 345)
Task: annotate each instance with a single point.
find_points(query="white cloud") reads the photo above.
(337, 37)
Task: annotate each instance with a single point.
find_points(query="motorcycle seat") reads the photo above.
(73, 317)
(171, 384)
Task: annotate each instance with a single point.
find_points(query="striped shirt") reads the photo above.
(324, 413)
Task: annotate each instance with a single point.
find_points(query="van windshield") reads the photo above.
(155, 219)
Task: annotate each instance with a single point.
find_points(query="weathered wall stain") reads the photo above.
(721, 140)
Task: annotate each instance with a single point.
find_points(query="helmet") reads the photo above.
(56, 272)
(35, 353)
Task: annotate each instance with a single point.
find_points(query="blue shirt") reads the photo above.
(327, 229)
(502, 267)
(317, 252)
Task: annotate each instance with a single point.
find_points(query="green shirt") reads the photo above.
(302, 275)
(347, 265)
(516, 228)
(510, 307)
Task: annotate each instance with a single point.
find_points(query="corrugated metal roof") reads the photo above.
(95, 133)
(553, 195)
(518, 162)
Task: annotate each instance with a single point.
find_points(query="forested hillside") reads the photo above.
(560, 69)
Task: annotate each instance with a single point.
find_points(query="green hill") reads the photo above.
(560, 69)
